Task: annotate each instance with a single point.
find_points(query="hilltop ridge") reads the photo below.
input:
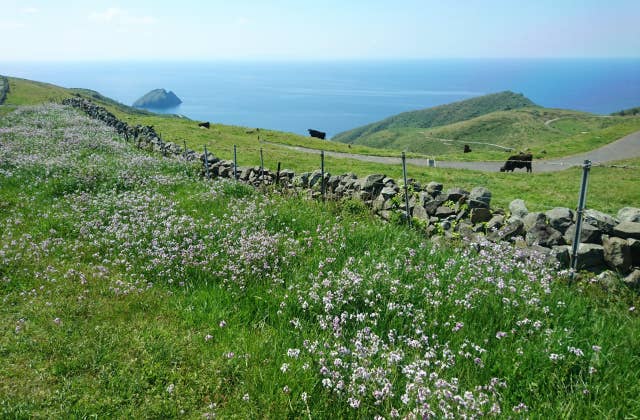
(441, 115)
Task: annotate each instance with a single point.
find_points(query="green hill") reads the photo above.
(440, 115)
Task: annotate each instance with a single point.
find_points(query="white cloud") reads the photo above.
(11, 25)
(30, 10)
(242, 21)
(114, 15)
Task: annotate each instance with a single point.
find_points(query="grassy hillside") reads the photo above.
(609, 189)
(545, 132)
(440, 115)
(131, 288)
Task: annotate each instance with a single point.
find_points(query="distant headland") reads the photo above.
(158, 98)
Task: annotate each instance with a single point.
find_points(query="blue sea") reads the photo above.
(334, 96)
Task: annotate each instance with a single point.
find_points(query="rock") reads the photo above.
(562, 254)
(602, 221)
(444, 211)
(590, 234)
(634, 249)
(508, 232)
(372, 182)
(617, 254)
(544, 235)
(590, 257)
(433, 205)
(560, 218)
(455, 194)
(480, 194)
(496, 222)
(434, 188)
(518, 209)
(420, 213)
(388, 192)
(480, 215)
(533, 218)
(608, 280)
(629, 214)
(633, 279)
(158, 98)
(627, 230)
(315, 178)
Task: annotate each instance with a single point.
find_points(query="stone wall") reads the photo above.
(4, 89)
(607, 242)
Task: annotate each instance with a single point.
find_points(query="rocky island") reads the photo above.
(158, 98)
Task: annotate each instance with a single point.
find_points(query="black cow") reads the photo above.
(523, 160)
(317, 134)
(204, 124)
(467, 149)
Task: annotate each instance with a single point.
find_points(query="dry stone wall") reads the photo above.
(607, 242)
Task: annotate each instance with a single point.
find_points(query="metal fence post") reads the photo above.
(278, 175)
(206, 162)
(322, 189)
(235, 163)
(261, 166)
(581, 203)
(406, 188)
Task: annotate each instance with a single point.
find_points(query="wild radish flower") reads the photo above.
(57, 321)
(286, 389)
(304, 397)
(222, 324)
(170, 388)
(501, 334)
(230, 355)
(293, 353)
(208, 337)
(245, 397)
(596, 348)
(520, 408)
(284, 367)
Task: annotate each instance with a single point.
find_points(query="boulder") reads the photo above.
(588, 233)
(627, 230)
(444, 211)
(434, 188)
(634, 249)
(518, 209)
(544, 235)
(602, 221)
(433, 205)
(533, 218)
(480, 197)
(455, 194)
(617, 253)
(388, 192)
(507, 232)
(562, 254)
(372, 182)
(315, 178)
(560, 218)
(480, 215)
(629, 214)
(590, 257)
(420, 213)
(496, 222)
(633, 279)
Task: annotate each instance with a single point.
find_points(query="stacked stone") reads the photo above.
(606, 242)
(145, 136)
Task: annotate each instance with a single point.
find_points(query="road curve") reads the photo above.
(624, 148)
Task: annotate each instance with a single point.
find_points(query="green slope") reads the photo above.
(440, 115)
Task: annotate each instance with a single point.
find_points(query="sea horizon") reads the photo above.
(340, 94)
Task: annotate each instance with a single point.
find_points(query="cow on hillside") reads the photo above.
(204, 125)
(317, 134)
(522, 160)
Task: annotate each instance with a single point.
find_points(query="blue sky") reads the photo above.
(320, 29)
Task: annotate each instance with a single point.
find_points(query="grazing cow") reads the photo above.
(317, 134)
(204, 124)
(467, 149)
(522, 160)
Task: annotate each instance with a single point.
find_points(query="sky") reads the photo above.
(69, 30)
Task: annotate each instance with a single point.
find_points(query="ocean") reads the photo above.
(334, 96)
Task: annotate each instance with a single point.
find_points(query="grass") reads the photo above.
(609, 188)
(521, 129)
(440, 115)
(132, 288)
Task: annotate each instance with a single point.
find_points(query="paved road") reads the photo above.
(624, 148)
